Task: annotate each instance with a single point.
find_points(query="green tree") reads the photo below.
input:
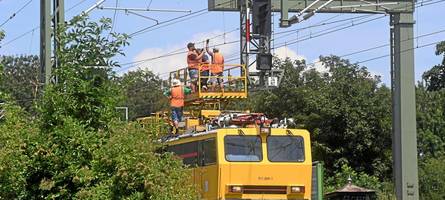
(435, 77)
(16, 132)
(430, 122)
(346, 110)
(21, 79)
(75, 148)
(143, 94)
(432, 179)
(2, 35)
(83, 76)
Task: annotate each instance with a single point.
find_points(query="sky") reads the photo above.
(221, 27)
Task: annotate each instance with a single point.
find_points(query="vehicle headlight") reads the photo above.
(297, 189)
(235, 189)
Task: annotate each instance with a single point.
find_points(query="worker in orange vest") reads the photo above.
(177, 94)
(193, 61)
(217, 66)
(204, 68)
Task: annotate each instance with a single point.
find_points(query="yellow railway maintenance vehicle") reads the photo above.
(247, 163)
(235, 155)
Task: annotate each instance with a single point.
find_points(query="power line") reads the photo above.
(147, 29)
(172, 54)
(133, 64)
(387, 55)
(322, 23)
(376, 47)
(20, 36)
(172, 21)
(175, 52)
(149, 3)
(16, 13)
(299, 40)
(36, 27)
(323, 32)
(113, 23)
(74, 6)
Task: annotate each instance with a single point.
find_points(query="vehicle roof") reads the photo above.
(246, 131)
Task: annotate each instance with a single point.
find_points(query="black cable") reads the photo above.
(387, 55)
(172, 53)
(113, 23)
(33, 29)
(20, 36)
(149, 28)
(74, 6)
(171, 21)
(16, 13)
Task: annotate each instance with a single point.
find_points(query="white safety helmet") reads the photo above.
(176, 82)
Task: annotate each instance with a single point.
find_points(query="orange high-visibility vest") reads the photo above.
(192, 63)
(204, 66)
(177, 97)
(217, 63)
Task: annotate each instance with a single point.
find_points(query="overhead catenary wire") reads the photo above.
(172, 54)
(135, 64)
(173, 20)
(320, 33)
(375, 47)
(76, 5)
(180, 50)
(20, 36)
(410, 49)
(15, 13)
(168, 22)
(113, 23)
(36, 27)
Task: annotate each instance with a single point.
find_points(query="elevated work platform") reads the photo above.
(231, 84)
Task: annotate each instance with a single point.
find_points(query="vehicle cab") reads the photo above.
(247, 163)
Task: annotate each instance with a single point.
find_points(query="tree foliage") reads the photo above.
(75, 148)
(2, 35)
(346, 110)
(143, 94)
(430, 122)
(21, 79)
(432, 179)
(435, 77)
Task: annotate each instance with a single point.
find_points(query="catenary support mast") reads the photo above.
(404, 107)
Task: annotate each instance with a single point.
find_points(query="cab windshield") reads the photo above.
(285, 148)
(240, 148)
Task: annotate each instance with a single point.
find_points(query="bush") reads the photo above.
(74, 148)
(432, 179)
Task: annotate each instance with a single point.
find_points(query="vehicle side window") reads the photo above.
(208, 152)
(188, 152)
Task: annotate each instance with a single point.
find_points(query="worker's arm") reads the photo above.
(200, 56)
(207, 48)
(187, 90)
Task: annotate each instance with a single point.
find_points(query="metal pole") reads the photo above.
(404, 108)
(45, 41)
(59, 20)
(284, 20)
(244, 59)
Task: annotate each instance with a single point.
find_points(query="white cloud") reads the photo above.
(318, 66)
(167, 64)
(286, 52)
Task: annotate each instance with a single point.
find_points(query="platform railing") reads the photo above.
(233, 82)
